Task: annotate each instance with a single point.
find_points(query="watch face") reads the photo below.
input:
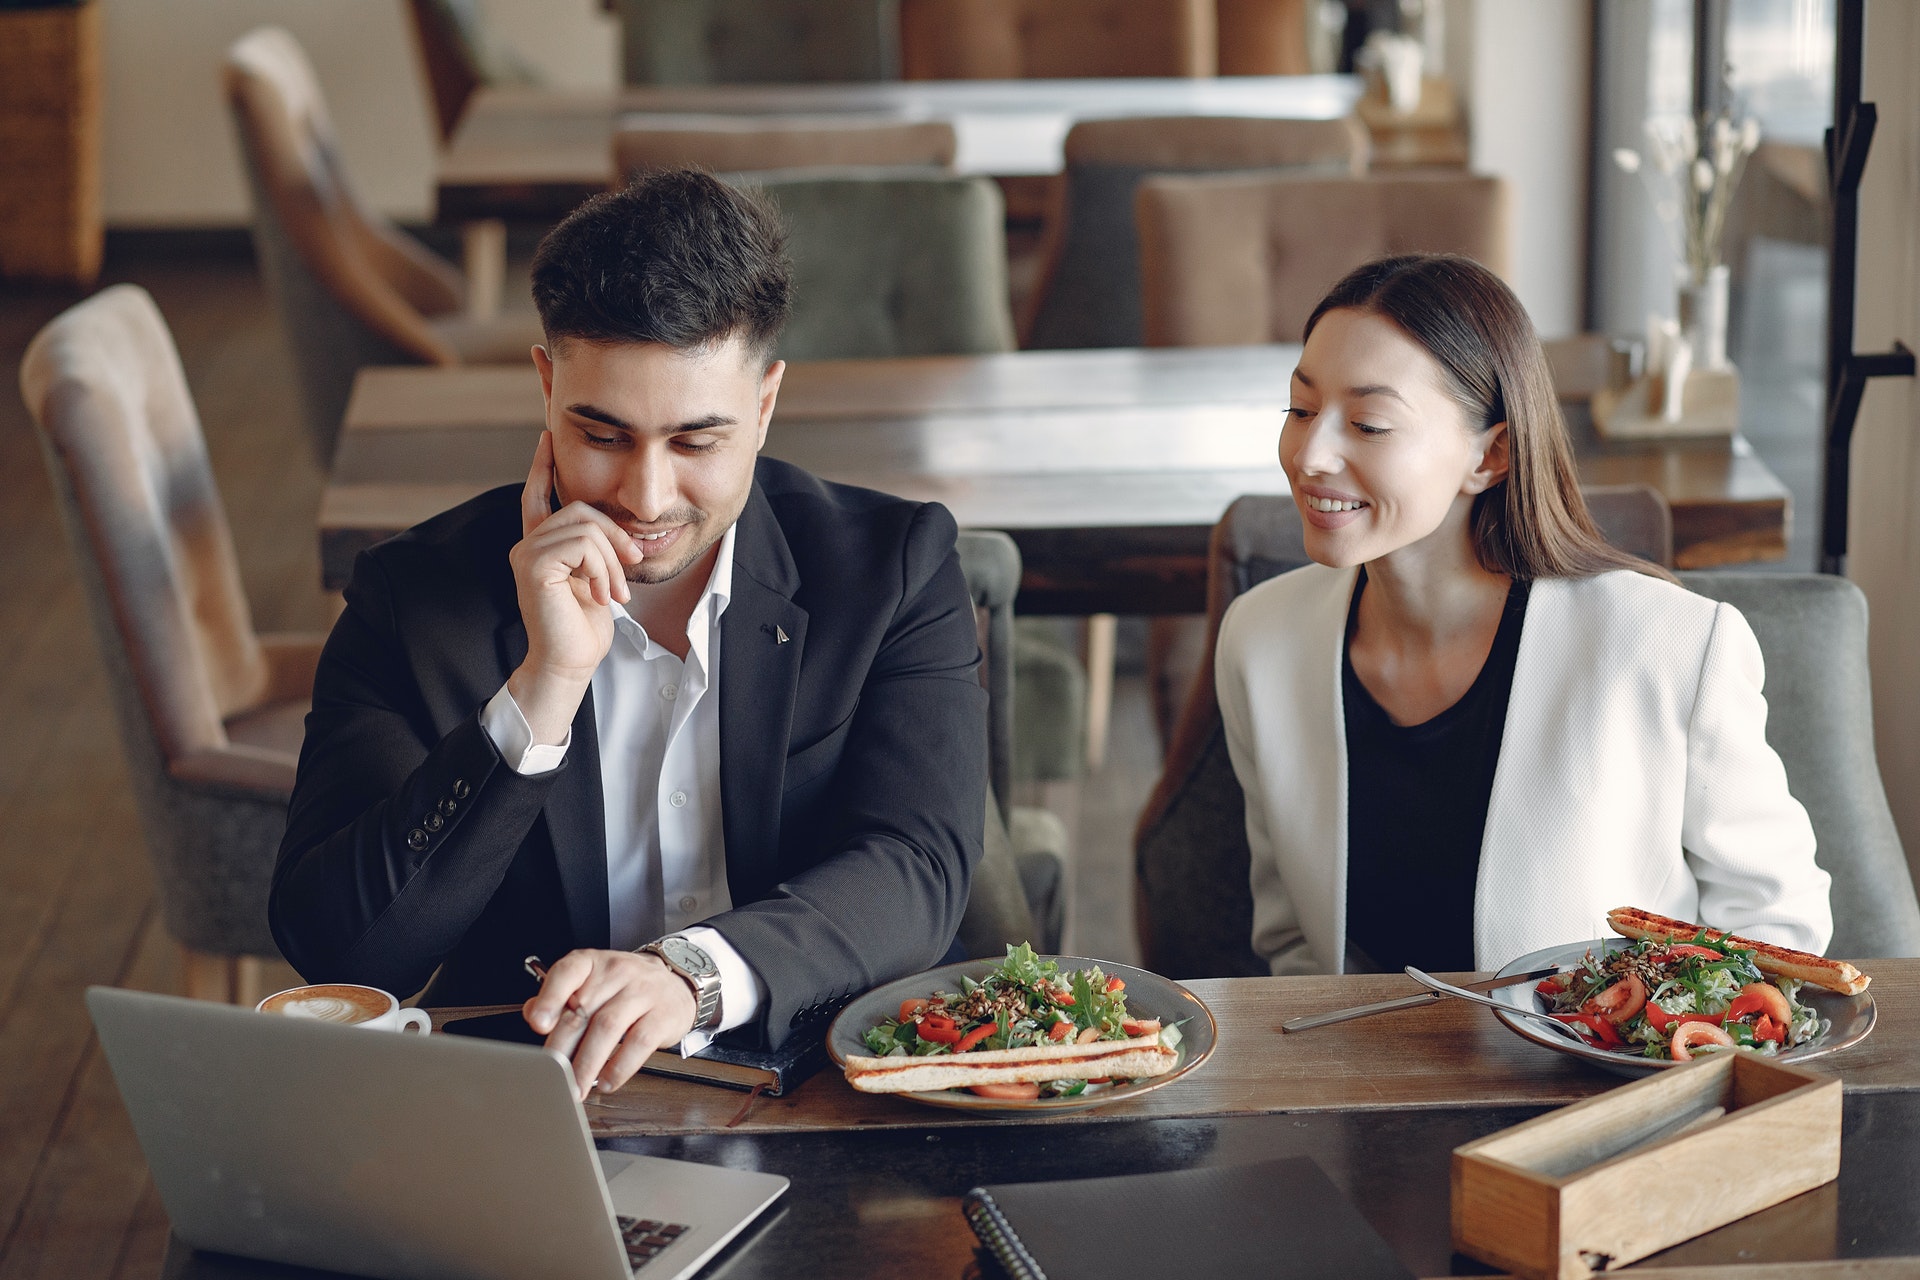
(688, 957)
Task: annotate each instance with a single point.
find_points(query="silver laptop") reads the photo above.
(398, 1155)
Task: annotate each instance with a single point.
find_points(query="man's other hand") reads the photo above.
(568, 568)
(608, 1010)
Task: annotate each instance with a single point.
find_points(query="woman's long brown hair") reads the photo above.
(1533, 524)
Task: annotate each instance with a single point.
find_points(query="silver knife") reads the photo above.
(1420, 1001)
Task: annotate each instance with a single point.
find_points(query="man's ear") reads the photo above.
(769, 393)
(1495, 459)
(544, 363)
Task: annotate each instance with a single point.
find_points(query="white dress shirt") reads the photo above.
(657, 718)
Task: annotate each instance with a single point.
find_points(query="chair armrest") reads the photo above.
(238, 771)
(291, 658)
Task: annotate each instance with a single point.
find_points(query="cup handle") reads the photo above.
(417, 1019)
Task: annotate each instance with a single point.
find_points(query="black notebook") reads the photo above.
(775, 1073)
(1280, 1218)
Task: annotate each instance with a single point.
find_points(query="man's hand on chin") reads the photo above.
(608, 1010)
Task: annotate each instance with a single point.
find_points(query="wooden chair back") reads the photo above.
(747, 144)
(1199, 235)
(1262, 37)
(1055, 39)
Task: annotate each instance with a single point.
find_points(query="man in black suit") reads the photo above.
(702, 725)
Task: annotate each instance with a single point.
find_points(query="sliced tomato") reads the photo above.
(1762, 998)
(910, 1007)
(1101, 1080)
(1009, 1092)
(1061, 1030)
(1063, 996)
(1554, 986)
(1690, 1034)
(1141, 1027)
(1602, 1029)
(1767, 1029)
(1688, 949)
(974, 1037)
(1115, 984)
(1620, 1002)
(1663, 1021)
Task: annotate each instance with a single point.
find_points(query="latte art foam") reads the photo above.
(332, 1003)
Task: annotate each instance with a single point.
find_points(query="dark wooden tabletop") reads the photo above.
(535, 154)
(868, 1204)
(1108, 468)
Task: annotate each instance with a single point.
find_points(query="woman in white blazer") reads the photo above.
(1472, 727)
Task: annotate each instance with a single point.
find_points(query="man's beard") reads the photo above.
(690, 546)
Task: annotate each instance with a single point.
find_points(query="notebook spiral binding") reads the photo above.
(995, 1232)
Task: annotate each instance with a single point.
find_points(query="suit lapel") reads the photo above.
(575, 812)
(759, 675)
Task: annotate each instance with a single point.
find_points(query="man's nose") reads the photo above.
(647, 487)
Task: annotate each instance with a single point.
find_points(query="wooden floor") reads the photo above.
(76, 901)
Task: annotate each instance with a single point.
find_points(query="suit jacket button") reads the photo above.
(434, 822)
(416, 839)
(460, 789)
(447, 807)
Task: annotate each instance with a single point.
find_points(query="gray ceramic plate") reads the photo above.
(1148, 996)
(1851, 1017)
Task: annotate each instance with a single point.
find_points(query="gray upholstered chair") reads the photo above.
(757, 41)
(1194, 910)
(1228, 259)
(211, 715)
(748, 144)
(1089, 294)
(351, 288)
(892, 263)
(1019, 891)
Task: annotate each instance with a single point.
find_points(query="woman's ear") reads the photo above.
(1494, 460)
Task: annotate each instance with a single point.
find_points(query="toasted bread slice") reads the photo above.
(1127, 1059)
(1781, 962)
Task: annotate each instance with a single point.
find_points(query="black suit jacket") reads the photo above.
(852, 762)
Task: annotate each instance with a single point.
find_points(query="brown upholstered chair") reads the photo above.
(1055, 39)
(211, 714)
(456, 58)
(1243, 258)
(351, 288)
(748, 144)
(1089, 293)
(1262, 37)
(1192, 906)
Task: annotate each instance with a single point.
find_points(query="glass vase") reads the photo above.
(1703, 317)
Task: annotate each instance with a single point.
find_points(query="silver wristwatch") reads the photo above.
(697, 967)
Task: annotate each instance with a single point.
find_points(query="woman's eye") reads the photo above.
(1368, 429)
(1299, 415)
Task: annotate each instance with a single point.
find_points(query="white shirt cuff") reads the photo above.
(512, 737)
(742, 994)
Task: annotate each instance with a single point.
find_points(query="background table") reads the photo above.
(535, 154)
(1109, 468)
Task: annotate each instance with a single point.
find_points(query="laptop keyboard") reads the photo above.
(646, 1239)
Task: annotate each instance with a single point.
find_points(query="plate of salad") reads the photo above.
(1026, 1033)
(1644, 1004)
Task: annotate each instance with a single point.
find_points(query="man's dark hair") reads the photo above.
(678, 257)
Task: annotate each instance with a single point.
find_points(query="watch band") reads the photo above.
(706, 987)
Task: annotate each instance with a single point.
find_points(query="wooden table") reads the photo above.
(1379, 1104)
(535, 154)
(1109, 468)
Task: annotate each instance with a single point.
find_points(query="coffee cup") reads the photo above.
(348, 1005)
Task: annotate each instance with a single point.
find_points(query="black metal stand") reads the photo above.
(1847, 370)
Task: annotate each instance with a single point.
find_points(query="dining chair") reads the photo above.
(1055, 39)
(211, 713)
(1089, 289)
(351, 288)
(744, 144)
(889, 263)
(756, 41)
(1262, 37)
(1229, 259)
(456, 58)
(1192, 906)
(1033, 840)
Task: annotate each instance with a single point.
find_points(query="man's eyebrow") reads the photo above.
(597, 414)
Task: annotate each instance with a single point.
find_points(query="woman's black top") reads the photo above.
(1417, 808)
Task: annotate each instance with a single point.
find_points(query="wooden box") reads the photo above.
(1608, 1181)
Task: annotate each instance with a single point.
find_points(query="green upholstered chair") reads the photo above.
(892, 263)
(1089, 294)
(1019, 890)
(1194, 909)
(757, 41)
(211, 714)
